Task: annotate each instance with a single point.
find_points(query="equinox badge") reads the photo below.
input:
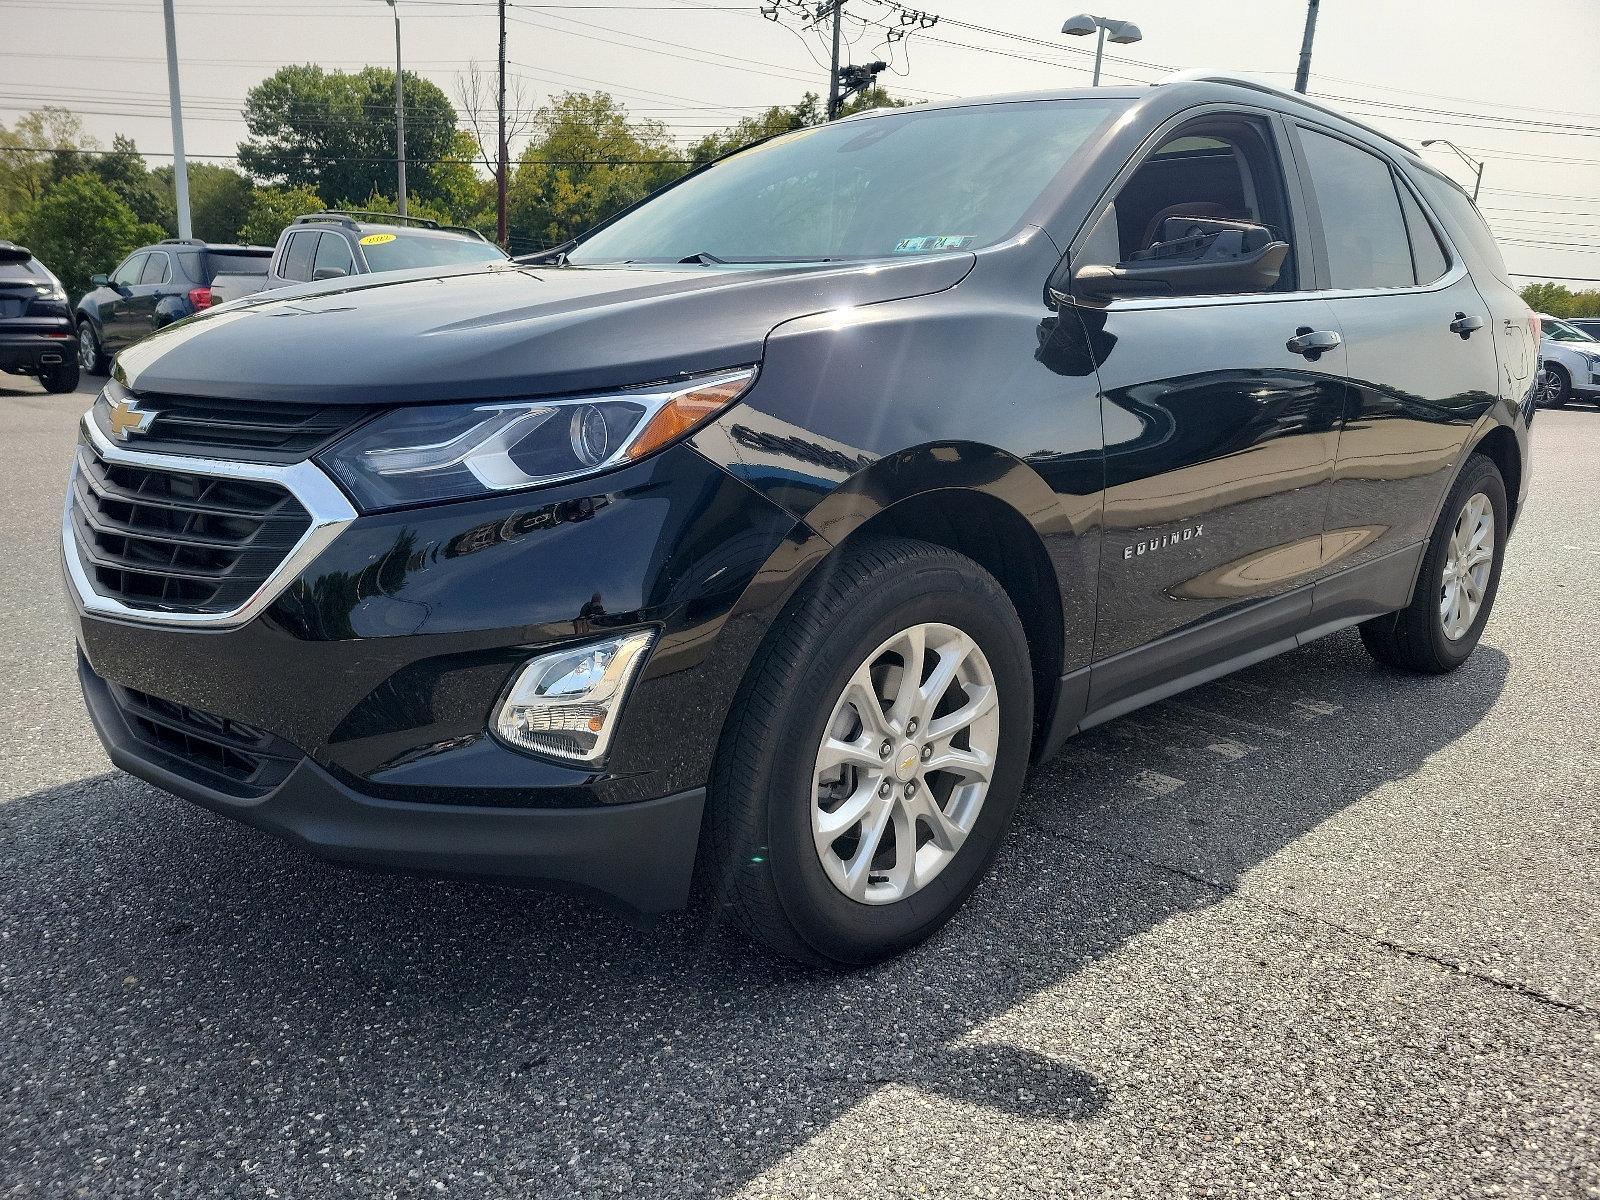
(1162, 542)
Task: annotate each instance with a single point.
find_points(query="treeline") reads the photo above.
(1557, 300)
(325, 139)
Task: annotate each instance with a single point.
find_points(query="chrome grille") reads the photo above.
(176, 540)
(240, 430)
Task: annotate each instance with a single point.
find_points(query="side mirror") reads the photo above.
(1196, 257)
(100, 281)
(328, 273)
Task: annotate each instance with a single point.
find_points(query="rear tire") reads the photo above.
(1431, 635)
(1557, 387)
(60, 377)
(843, 644)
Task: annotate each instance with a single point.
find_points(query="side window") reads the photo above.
(333, 256)
(194, 266)
(155, 268)
(297, 256)
(1207, 174)
(1426, 253)
(1361, 220)
(128, 273)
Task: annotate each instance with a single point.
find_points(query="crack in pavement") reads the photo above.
(1510, 985)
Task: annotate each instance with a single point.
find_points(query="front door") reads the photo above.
(114, 316)
(1221, 417)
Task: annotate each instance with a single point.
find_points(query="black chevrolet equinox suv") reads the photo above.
(761, 537)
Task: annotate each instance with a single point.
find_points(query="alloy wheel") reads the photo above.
(1467, 567)
(87, 350)
(905, 763)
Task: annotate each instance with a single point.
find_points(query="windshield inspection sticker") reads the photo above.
(377, 239)
(921, 245)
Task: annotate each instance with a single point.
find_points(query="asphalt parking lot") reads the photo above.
(1313, 930)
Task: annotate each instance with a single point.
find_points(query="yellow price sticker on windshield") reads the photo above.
(377, 239)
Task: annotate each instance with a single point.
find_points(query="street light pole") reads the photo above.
(1122, 32)
(399, 113)
(180, 166)
(1302, 75)
(1477, 167)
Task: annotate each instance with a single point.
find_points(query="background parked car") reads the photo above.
(154, 286)
(1570, 361)
(331, 245)
(1589, 325)
(35, 323)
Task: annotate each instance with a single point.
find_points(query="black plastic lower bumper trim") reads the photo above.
(640, 854)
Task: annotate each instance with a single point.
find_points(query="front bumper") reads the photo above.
(641, 854)
(380, 664)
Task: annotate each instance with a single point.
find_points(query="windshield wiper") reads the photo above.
(704, 258)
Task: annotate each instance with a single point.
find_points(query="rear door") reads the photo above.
(1420, 351)
(1219, 437)
(298, 254)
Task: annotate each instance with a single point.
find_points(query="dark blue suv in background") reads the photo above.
(153, 287)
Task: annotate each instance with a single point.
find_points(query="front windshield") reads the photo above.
(399, 250)
(914, 182)
(1560, 331)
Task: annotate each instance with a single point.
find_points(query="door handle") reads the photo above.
(1313, 343)
(1464, 325)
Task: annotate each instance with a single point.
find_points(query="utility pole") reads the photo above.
(180, 167)
(837, 9)
(500, 182)
(399, 114)
(1303, 75)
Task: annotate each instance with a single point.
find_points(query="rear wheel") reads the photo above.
(91, 358)
(59, 377)
(1456, 586)
(875, 755)
(1555, 387)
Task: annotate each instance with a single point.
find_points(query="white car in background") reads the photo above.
(1569, 361)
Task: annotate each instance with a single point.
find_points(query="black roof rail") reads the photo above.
(383, 217)
(332, 218)
(1256, 85)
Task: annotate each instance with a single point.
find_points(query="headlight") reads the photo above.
(447, 452)
(565, 704)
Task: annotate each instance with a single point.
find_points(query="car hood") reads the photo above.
(505, 330)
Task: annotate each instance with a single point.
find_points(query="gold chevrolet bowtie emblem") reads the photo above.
(128, 418)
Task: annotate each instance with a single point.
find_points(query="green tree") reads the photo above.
(271, 209)
(784, 119)
(333, 132)
(123, 170)
(219, 199)
(43, 146)
(587, 162)
(79, 228)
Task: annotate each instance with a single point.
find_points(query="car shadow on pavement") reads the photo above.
(183, 993)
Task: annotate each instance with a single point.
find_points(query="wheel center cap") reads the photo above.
(905, 765)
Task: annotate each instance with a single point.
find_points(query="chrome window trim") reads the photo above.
(1450, 278)
(330, 512)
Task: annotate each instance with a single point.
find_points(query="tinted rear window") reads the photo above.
(28, 270)
(1361, 221)
(223, 263)
(1464, 222)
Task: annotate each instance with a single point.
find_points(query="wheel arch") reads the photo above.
(991, 507)
(1499, 445)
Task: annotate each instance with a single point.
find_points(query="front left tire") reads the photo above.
(874, 755)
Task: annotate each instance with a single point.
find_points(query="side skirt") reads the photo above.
(1109, 689)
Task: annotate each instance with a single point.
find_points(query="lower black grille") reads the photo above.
(244, 430)
(173, 541)
(228, 755)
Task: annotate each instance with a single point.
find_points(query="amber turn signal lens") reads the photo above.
(687, 412)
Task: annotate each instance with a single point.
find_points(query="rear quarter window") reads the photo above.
(1465, 224)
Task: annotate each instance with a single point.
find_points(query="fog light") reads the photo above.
(566, 704)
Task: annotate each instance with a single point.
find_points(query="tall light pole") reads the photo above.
(180, 167)
(1121, 32)
(834, 8)
(399, 111)
(500, 175)
(1302, 74)
(1477, 167)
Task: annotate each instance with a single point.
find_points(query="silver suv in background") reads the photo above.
(1569, 361)
(334, 244)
